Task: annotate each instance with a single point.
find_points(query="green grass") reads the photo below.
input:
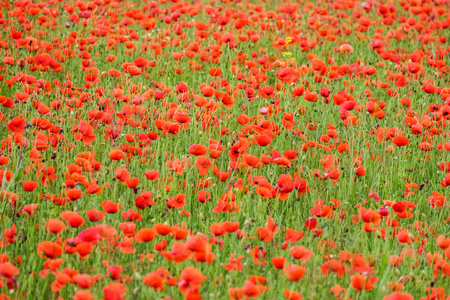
(386, 176)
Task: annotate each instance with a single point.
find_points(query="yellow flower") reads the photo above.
(288, 40)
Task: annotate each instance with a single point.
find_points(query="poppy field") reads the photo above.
(225, 149)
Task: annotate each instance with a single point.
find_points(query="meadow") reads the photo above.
(224, 149)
